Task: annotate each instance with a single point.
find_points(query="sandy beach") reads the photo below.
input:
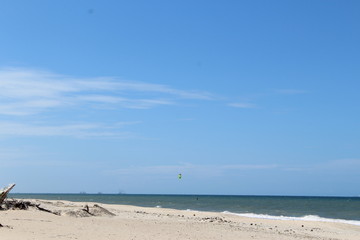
(75, 220)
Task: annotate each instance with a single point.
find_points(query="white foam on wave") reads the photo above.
(191, 210)
(314, 218)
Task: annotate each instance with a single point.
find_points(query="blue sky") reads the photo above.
(241, 97)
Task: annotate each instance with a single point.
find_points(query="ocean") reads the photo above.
(329, 209)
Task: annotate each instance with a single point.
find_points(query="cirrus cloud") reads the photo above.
(28, 92)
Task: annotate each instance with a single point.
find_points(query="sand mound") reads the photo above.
(87, 211)
(75, 213)
(100, 211)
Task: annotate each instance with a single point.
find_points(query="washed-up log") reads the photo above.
(23, 205)
(4, 192)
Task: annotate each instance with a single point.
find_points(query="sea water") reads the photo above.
(330, 209)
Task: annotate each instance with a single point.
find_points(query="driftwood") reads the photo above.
(6, 204)
(3, 195)
(23, 205)
(87, 210)
(46, 210)
(4, 192)
(15, 204)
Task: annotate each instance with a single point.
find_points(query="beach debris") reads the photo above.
(14, 204)
(4, 192)
(46, 210)
(141, 212)
(214, 219)
(5, 226)
(56, 208)
(86, 209)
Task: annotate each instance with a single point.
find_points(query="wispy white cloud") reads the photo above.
(217, 170)
(248, 102)
(242, 105)
(347, 163)
(27, 92)
(124, 102)
(42, 163)
(10, 154)
(333, 165)
(73, 130)
(30, 100)
(32, 156)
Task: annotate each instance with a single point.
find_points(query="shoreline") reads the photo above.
(326, 209)
(112, 221)
(286, 217)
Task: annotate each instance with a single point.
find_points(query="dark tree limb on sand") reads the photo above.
(86, 209)
(46, 210)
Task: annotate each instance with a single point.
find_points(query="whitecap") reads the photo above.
(314, 218)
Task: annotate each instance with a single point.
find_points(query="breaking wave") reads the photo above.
(314, 218)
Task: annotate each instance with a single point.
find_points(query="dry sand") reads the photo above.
(127, 222)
